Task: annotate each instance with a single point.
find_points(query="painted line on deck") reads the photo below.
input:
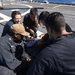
(5, 18)
(23, 5)
(57, 6)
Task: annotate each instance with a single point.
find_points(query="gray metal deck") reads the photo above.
(23, 7)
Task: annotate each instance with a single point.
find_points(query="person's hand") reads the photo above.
(42, 35)
(28, 59)
(31, 31)
(36, 21)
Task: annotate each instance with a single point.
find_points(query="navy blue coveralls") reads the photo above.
(9, 64)
(56, 59)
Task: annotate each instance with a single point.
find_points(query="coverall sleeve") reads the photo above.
(41, 65)
(7, 58)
